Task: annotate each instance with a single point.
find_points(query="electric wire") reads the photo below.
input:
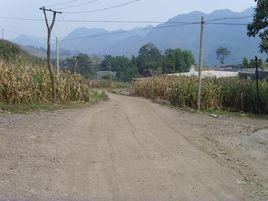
(81, 4)
(62, 3)
(124, 31)
(178, 23)
(103, 21)
(229, 18)
(102, 9)
(108, 21)
(225, 23)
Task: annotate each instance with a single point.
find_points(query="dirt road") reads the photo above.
(129, 149)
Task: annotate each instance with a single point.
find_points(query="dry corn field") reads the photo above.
(20, 83)
(224, 93)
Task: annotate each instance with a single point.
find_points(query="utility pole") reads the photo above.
(76, 70)
(58, 59)
(49, 30)
(3, 34)
(111, 77)
(257, 65)
(200, 64)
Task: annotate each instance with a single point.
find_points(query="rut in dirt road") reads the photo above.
(124, 149)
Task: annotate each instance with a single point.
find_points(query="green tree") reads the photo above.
(83, 64)
(149, 58)
(253, 63)
(245, 63)
(124, 67)
(177, 60)
(222, 54)
(260, 24)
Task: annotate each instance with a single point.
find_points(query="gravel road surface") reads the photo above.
(130, 149)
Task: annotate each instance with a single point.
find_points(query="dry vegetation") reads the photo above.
(25, 79)
(102, 84)
(25, 84)
(224, 93)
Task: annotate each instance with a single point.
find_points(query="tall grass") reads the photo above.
(25, 83)
(232, 93)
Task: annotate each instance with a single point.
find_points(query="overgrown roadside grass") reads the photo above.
(96, 96)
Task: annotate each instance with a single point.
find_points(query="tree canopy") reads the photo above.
(222, 54)
(149, 61)
(124, 67)
(149, 58)
(260, 24)
(177, 60)
(83, 64)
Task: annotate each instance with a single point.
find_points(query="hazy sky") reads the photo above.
(160, 10)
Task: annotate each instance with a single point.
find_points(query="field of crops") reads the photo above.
(224, 93)
(25, 83)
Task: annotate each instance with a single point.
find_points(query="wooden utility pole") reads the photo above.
(200, 64)
(57, 57)
(111, 77)
(49, 30)
(3, 34)
(76, 70)
(257, 64)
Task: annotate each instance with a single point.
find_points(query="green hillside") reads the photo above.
(12, 53)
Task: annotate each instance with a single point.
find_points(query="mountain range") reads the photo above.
(221, 30)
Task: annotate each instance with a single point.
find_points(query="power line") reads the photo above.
(21, 19)
(103, 9)
(230, 24)
(58, 4)
(81, 4)
(126, 21)
(101, 21)
(130, 21)
(124, 31)
(229, 18)
(118, 21)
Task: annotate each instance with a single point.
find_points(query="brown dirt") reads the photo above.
(133, 150)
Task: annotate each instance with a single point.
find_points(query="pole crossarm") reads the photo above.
(50, 10)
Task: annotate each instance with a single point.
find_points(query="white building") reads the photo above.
(207, 73)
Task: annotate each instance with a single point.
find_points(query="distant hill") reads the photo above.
(120, 42)
(42, 52)
(30, 41)
(187, 37)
